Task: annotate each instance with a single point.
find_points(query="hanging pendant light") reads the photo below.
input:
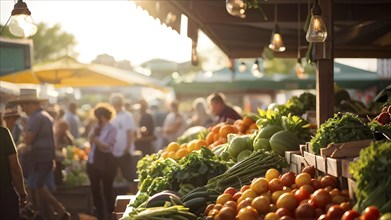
(256, 70)
(21, 23)
(242, 67)
(317, 31)
(236, 8)
(276, 42)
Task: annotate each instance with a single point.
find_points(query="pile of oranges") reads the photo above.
(218, 133)
(175, 150)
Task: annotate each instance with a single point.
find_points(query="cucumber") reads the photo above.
(195, 195)
(195, 203)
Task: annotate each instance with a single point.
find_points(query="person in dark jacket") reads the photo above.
(218, 107)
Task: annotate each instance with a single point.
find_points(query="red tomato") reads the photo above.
(305, 211)
(237, 196)
(283, 212)
(321, 198)
(350, 215)
(371, 213)
(329, 181)
(302, 194)
(335, 212)
(275, 185)
(230, 190)
(288, 178)
(316, 184)
(226, 213)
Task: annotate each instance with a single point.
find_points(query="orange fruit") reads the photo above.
(173, 146)
(252, 126)
(271, 174)
(192, 145)
(201, 143)
(209, 138)
(171, 154)
(227, 129)
(242, 127)
(237, 122)
(216, 128)
(248, 121)
(260, 185)
(164, 154)
(181, 153)
(216, 136)
(184, 145)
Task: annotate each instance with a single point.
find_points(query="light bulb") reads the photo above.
(256, 71)
(299, 69)
(242, 67)
(236, 8)
(317, 31)
(22, 26)
(276, 42)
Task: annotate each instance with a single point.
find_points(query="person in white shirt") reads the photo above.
(124, 145)
(174, 124)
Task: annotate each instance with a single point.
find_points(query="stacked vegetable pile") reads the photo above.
(372, 174)
(382, 122)
(75, 159)
(289, 196)
(343, 127)
(283, 132)
(157, 174)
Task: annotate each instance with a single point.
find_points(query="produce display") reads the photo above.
(237, 170)
(382, 122)
(157, 174)
(75, 159)
(287, 196)
(343, 127)
(372, 174)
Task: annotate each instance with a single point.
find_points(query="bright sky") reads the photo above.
(116, 28)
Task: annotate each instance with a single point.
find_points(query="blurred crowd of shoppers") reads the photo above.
(115, 132)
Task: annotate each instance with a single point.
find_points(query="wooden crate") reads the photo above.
(295, 160)
(345, 150)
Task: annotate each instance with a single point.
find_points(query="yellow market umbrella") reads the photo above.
(67, 72)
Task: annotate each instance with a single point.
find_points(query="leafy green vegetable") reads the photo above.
(158, 174)
(376, 126)
(372, 174)
(341, 128)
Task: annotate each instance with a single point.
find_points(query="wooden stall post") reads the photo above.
(325, 67)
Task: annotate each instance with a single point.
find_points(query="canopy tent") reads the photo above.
(67, 72)
(226, 80)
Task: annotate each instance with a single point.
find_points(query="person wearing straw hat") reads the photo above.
(11, 115)
(39, 138)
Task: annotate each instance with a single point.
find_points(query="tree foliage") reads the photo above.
(50, 43)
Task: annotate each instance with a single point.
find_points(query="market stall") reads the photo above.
(271, 165)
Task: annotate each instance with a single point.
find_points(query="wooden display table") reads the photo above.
(121, 206)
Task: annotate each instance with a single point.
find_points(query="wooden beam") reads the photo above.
(325, 67)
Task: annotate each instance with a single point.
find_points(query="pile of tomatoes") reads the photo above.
(287, 196)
